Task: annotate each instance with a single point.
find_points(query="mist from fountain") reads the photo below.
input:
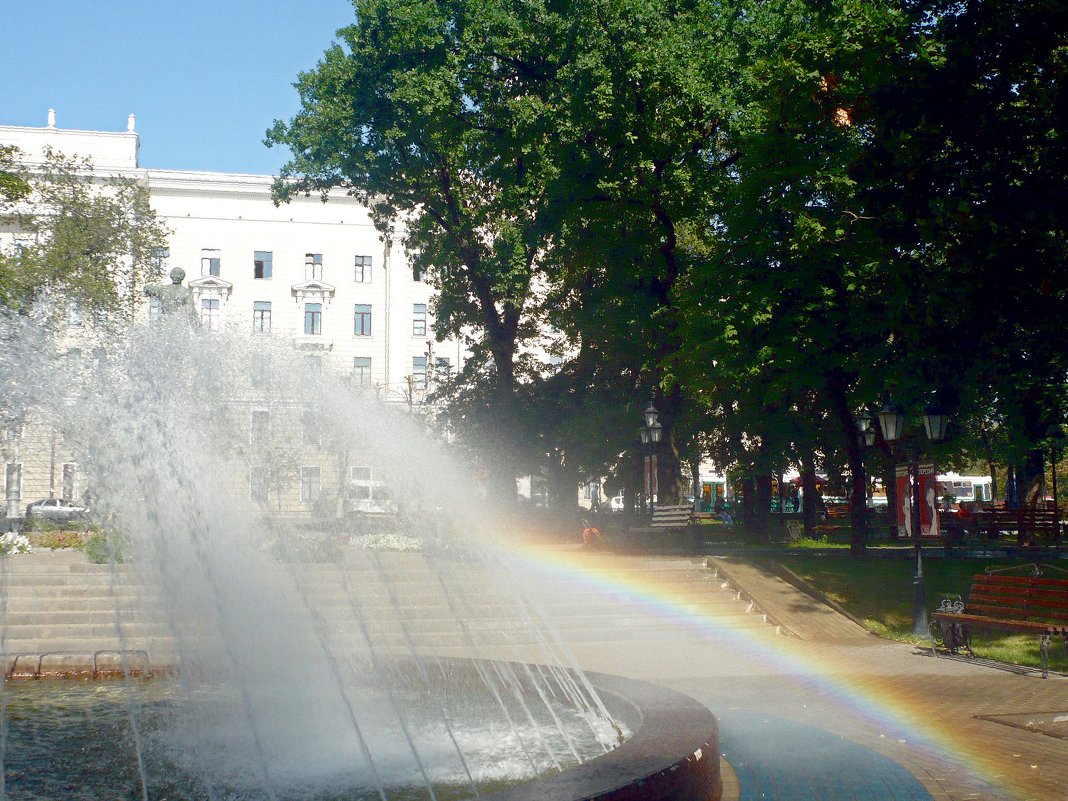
(307, 659)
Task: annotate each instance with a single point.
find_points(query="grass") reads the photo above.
(879, 591)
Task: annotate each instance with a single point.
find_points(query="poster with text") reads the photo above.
(904, 500)
(928, 501)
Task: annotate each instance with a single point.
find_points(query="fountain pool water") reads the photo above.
(309, 646)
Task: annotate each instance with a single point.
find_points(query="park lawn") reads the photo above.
(878, 591)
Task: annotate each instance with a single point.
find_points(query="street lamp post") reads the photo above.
(892, 423)
(651, 432)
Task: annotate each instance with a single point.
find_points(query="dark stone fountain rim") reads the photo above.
(673, 754)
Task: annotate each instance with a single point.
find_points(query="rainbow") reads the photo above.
(893, 714)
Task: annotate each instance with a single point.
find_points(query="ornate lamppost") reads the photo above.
(650, 434)
(892, 423)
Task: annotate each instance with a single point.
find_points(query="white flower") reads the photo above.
(12, 543)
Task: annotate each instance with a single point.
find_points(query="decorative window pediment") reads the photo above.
(212, 286)
(312, 291)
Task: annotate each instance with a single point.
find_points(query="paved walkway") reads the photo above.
(827, 711)
(811, 706)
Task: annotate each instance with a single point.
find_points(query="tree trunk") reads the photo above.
(890, 482)
(1012, 497)
(1030, 477)
(808, 499)
(990, 464)
(748, 499)
(695, 476)
(836, 390)
(669, 477)
(762, 513)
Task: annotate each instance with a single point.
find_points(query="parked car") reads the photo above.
(55, 509)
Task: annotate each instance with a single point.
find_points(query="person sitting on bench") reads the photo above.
(591, 536)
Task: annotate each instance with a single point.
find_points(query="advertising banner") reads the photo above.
(928, 501)
(904, 500)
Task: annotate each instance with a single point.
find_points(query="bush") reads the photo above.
(56, 538)
(100, 548)
(44, 525)
(301, 547)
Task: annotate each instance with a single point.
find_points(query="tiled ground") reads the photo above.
(831, 713)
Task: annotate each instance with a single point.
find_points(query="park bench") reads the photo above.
(1029, 524)
(668, 520)
(1031, 604)
(672, 516)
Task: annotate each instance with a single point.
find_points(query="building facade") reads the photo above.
(317, 276)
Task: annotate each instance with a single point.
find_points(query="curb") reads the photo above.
(799, 583)
(722, 572)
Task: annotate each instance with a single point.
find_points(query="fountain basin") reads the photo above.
(673, 754)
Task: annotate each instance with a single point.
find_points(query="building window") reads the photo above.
(313, 318)
(419, 319)
(262, 266)
(361, 370)
(257, 484)
(442, 368)
(210, 313)
(159, 259)
(67, 489)
(260, 369)
(313, 266)
(309, 428)
(210, 262)
(74, 313)
(419, 370)
(363, 269)
(310, 484)
(261, 316)
(418, 272)
(153, 309)
(362, 324)
(259, 427)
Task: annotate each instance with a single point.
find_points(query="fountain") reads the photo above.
(323, 655)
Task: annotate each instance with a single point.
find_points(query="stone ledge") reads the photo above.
(77, 665)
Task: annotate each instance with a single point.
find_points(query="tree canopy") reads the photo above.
(768, 217)
(82, 246)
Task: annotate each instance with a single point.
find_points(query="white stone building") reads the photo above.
(313, 274)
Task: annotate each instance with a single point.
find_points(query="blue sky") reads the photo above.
(204, 79)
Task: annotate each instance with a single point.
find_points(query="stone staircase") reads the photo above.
(54, 605)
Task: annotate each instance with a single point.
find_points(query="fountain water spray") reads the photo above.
(304, 662)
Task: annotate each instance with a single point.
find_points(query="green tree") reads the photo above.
(83, 242)
(13, 183)
(434, 113)
(968, 163)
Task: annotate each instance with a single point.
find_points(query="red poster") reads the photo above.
(904, 500)
(928, 501)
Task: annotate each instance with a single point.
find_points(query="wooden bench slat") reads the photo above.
(676, 516)
(1028, 604)
(1029, 615)
(1026, 611)
(1055, 594)
(1030, 581)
